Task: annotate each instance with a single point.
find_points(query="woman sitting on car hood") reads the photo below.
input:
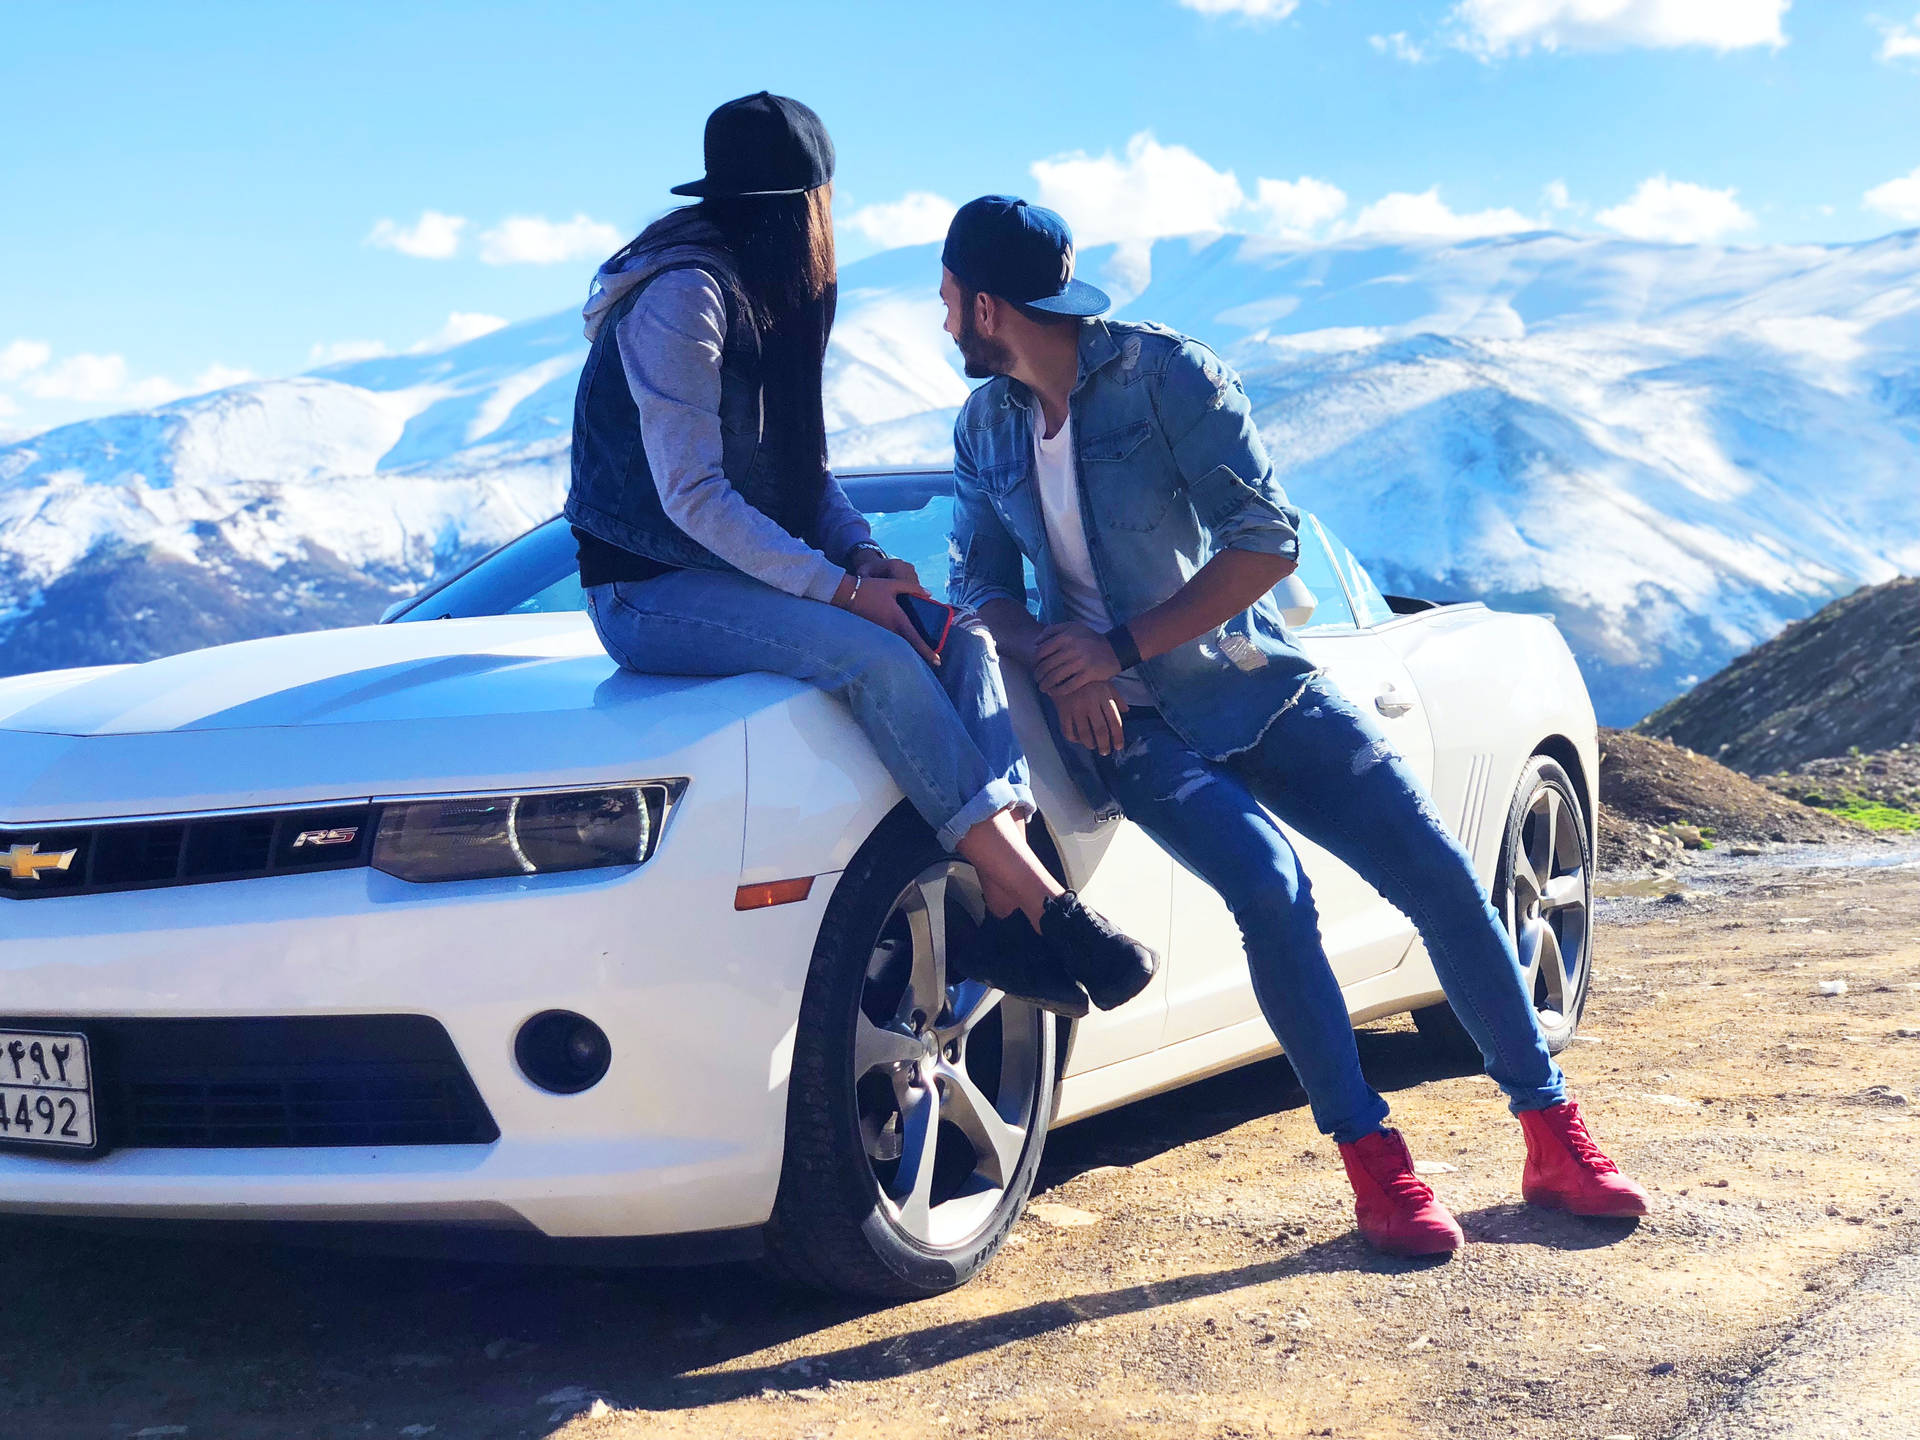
(714, 540)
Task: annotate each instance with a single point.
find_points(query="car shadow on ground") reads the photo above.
(105, 1330)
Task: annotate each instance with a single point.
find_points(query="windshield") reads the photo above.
(538, 573)
(910, 513)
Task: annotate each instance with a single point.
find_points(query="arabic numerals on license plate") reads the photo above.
(39, 1116)
(46, 1089)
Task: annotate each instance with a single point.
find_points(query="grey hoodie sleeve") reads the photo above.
(670, 344)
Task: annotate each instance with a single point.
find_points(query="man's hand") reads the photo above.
(1090, 716)
(1071, 655)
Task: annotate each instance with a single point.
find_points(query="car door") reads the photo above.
(1208, 986)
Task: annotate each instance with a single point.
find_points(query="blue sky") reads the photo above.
(190, 194)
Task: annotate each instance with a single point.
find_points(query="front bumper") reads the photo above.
(684, 1133)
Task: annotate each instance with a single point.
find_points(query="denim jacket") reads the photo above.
(1171, 471)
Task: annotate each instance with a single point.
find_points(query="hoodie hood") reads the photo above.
(672, 240)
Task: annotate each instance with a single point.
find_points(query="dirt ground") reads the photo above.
(1189, 1268)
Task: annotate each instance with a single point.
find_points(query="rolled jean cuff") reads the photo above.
(997, 796)
(1544, 1098)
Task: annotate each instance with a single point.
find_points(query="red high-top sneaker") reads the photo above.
(1566, 1171)
(1395, 1207)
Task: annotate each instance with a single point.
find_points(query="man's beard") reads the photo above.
(984, 358)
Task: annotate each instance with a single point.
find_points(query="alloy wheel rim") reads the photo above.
(1549, 907)
(946, 1071)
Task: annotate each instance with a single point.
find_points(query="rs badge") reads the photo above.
(25, 862)
(342, 836)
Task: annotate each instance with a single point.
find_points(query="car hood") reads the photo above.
(444, 705)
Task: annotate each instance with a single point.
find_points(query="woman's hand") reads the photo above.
(1090, 716)
(1071, 655)
(878, 599)
(875, 566)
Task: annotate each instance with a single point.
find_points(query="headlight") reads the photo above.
(476, 837)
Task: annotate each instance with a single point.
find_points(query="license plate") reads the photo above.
(46, 1089)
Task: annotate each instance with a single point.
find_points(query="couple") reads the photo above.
(1123, 462)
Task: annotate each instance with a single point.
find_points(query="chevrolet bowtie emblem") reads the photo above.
(25, 862)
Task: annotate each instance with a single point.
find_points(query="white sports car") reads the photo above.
(449, 921)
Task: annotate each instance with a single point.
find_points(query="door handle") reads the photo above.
(1390, 703)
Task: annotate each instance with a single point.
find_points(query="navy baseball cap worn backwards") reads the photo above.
(1019, 252)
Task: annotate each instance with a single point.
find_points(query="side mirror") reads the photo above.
(397, 606)
(1297, 602)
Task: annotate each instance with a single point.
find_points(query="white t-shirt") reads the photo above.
(1053, 473)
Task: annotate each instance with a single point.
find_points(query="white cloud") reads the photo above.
(1559, 200)
(1898, 198)
(23, 357)
(102, 380)
(1500, 27)
(914, 219)
(80, 377)
(461, 326)
(1247, 9)
(1398, 46)
(1900, 42)
(432, 237)
(1679, 212)
(535, 240)
(338, 351)
(1155, 190)
(1404, 213)
(1297, 209)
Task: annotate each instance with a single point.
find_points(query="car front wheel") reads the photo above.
(919, 1100)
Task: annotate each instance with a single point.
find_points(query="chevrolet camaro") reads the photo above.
(449, 924)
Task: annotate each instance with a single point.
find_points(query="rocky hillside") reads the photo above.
(1881, 789)
(1844, 680)
(1654, 795)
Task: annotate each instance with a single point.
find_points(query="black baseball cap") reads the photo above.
(763, 145)
(1020, 252)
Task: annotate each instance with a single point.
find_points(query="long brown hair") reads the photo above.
(785, 279)
(781, 246)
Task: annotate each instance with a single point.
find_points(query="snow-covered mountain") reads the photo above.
(1676, 449)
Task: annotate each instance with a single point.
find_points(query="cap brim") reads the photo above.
(705, 189)
(1079, 298)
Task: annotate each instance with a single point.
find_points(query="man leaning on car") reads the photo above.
(1122, 460)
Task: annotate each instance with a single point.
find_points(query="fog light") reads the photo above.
(562, 1052)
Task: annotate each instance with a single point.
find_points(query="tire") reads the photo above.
(1543, 891)
(918, 1107)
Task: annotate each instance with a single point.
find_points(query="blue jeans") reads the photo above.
(1324, 768)
(945, 735)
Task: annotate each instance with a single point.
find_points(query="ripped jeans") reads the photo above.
(1324, 768)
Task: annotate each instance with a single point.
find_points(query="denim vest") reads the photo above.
(613, 495)
(1171, 471)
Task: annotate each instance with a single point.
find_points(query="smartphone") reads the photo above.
(931, 620)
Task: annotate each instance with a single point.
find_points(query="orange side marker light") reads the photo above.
(776, 892)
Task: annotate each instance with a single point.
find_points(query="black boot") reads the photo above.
(1010, 957)
(1113, 967)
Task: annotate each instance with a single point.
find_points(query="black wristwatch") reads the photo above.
(867, 545)
(1125, 649)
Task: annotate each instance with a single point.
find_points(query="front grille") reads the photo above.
(274, 1083)
(140, 855)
